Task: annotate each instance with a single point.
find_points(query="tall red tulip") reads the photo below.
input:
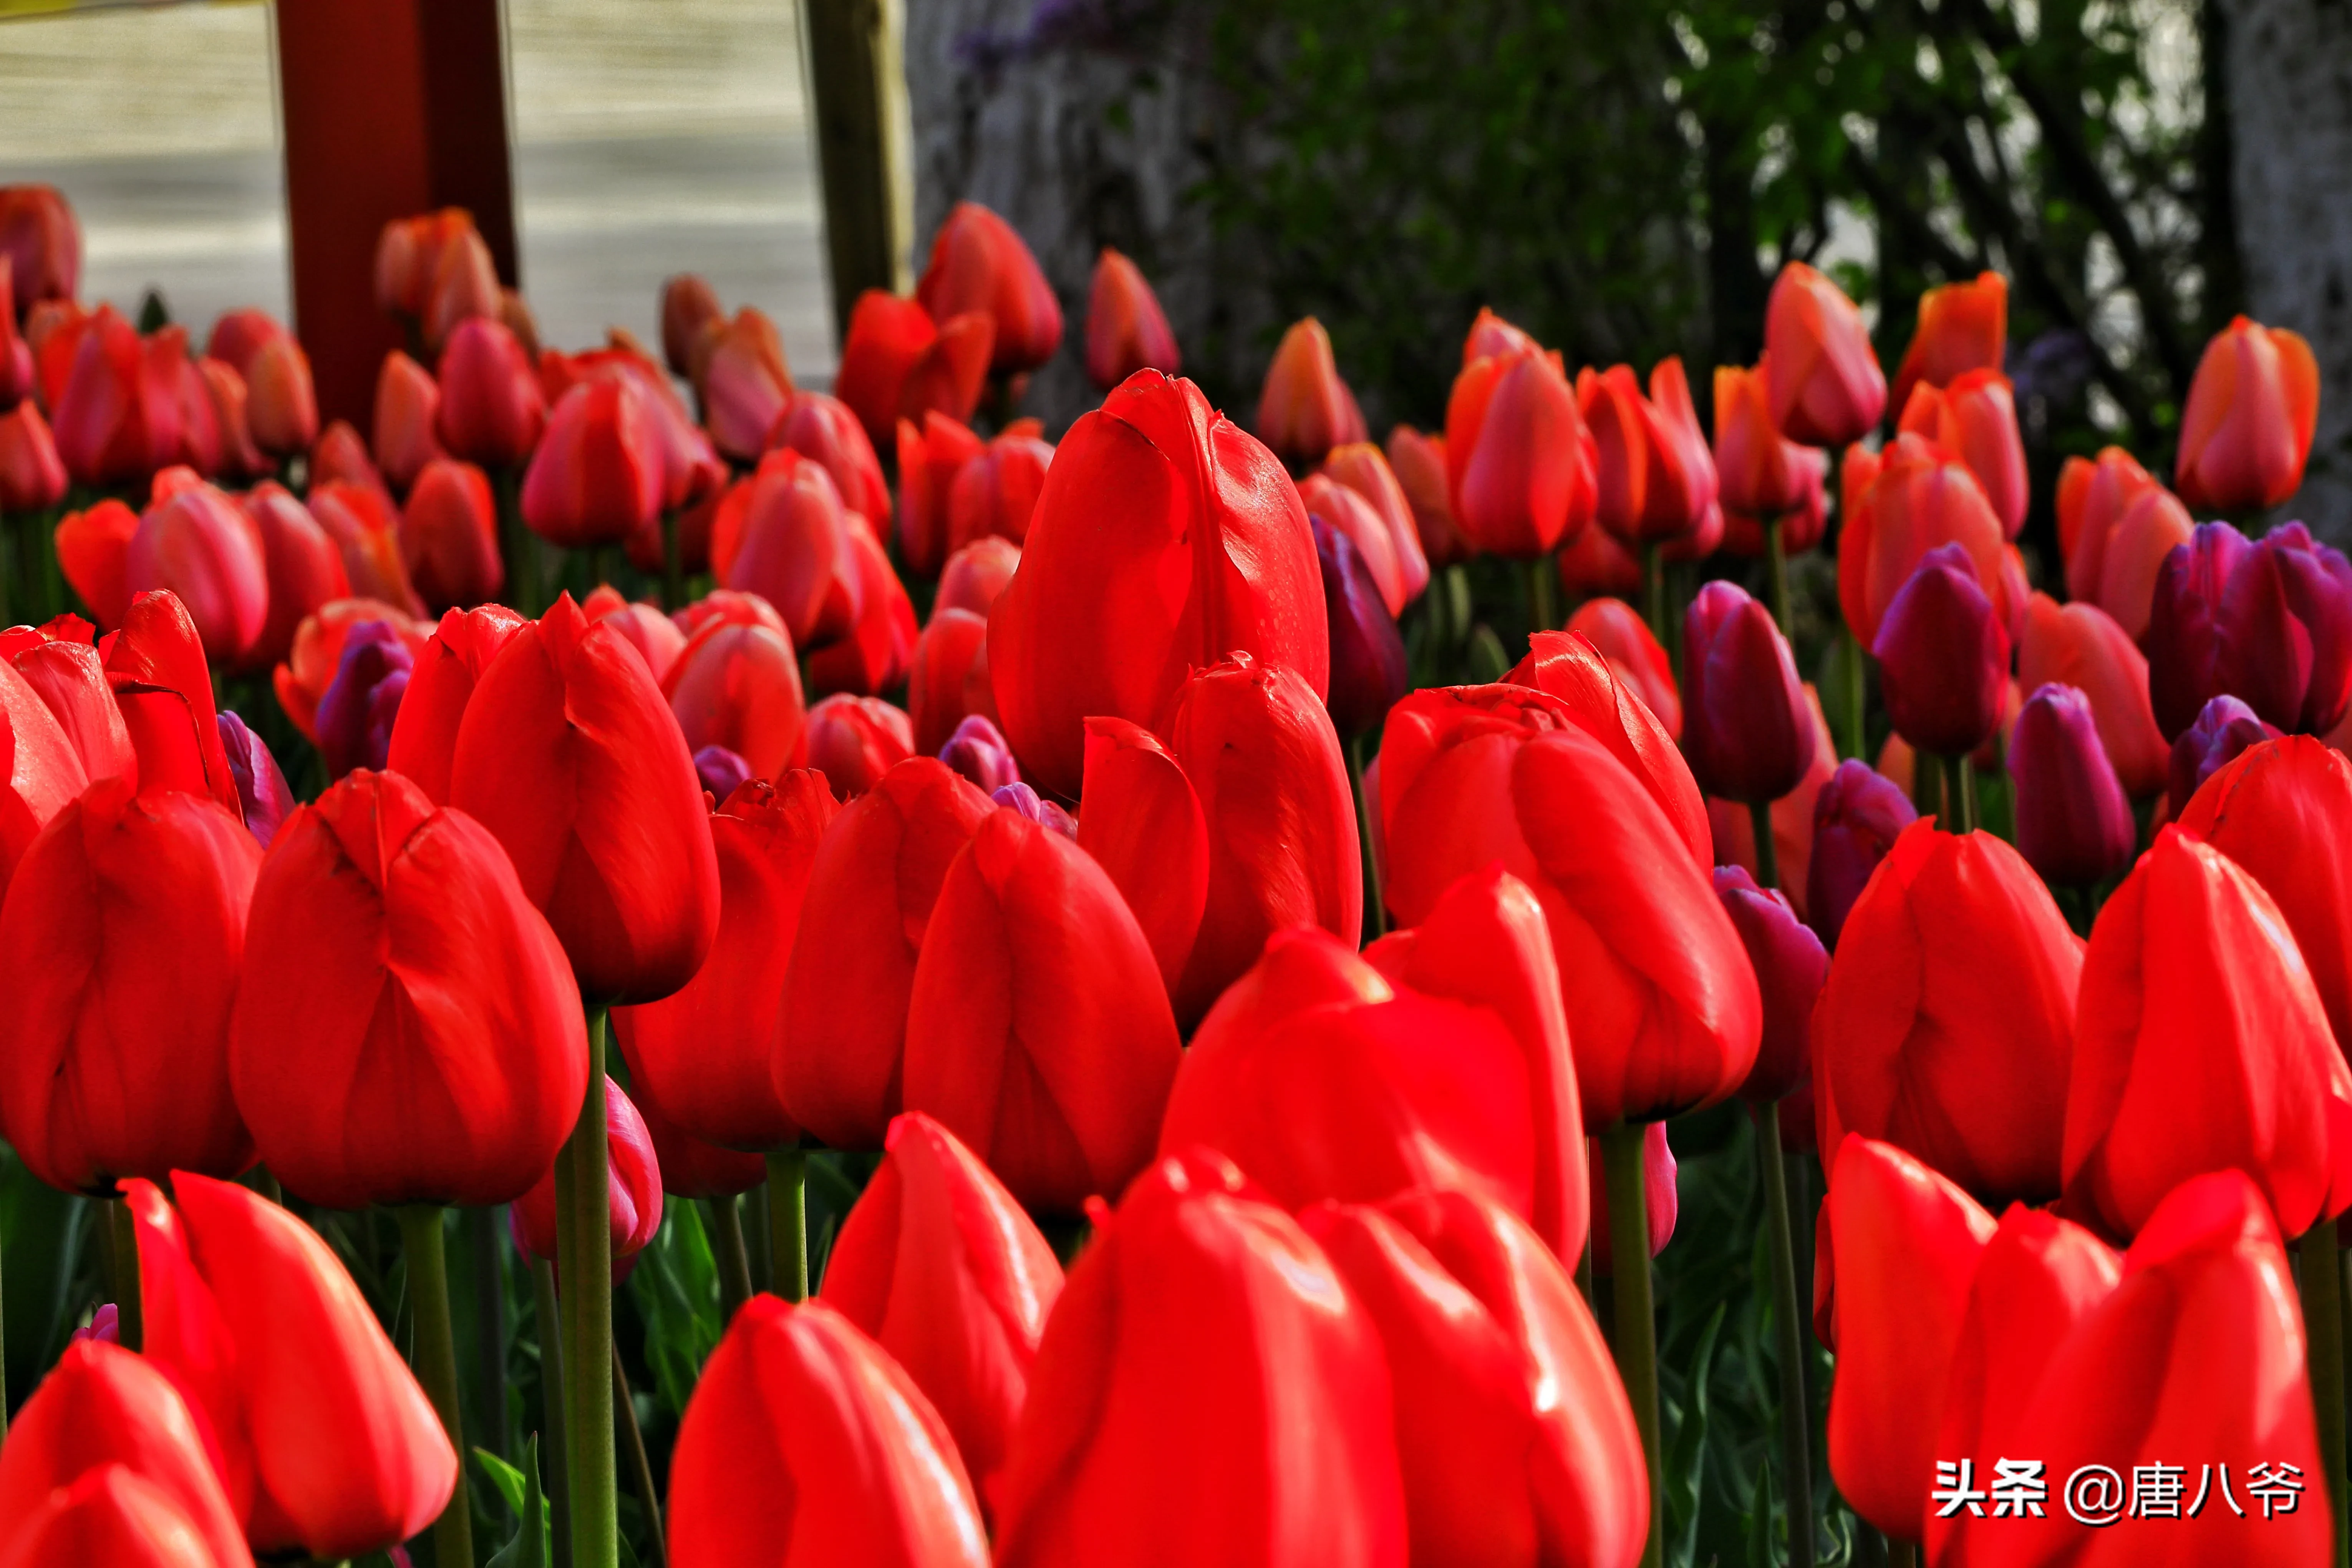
(805, 1438)
(199, 544)
(1619, 634)
(93, 554)
(1360, 469)
(407, 410)
(122, 939)
(1962, 327)
(2246, 431)
(1419, 463)
(164, 689)
(1822, 376)
(950, 680)
(979, 262)
(1125, 328)
(118, 416)
(407, 1029)
(825, 428)
(568, 756)
(633, 1180)
(343, 456)
(1165, 538)
(930, 455)
(105, 1464)
(977, 576)
(1612, 709)
(597, 475)
(47, 766)
(1945, 1027)
(1305, 409)
(2080, 644)
(365, 527)
(995, 494)
(739, 686)
(2268, 620)
(1902, 1247)
(941, 1266)
(1760, 472)
(1975, 418)
(1664, 1010)
(1515, 1436)
(251, 1311)
(1520, 463)
(447, 669)
(744, 383)
(450, 535)
(1748, 729)
(701, 1057)
(898, 364)
(281, 407)
(491, 409)
(688, 306)
(305, 569)
(871, 891)
(2115, 526)
(1440, 1059)
(1205, 1347)
(2201, 1044)
(1656, 475)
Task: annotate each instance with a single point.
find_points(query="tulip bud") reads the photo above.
(739, 686)
(930, 455)
(1821, 374)
(491, 408)
(745, 385)
(1661, 1200)
(118, 418)
(1762, 472)
(634, 1176)
(824, 428)
(1943, 657)
(2246, 432)
(1975, 418)
(1125, 328)
(1215, 1313)
(260, 786)
(1962, 327)
(896, 363)
(281, 406)
(1368, 663)
(2269, 621)
(854, 740)
(1617, 631)
(978, 751)
(32, 475)
(979, 263)
(1018, 796)
(722, 773)
(2073, 822)
(356, 714)
(1791, 965)
(688, 305)
(200, 547)
(2080, 644)
(1419, 463)
(450, 535)
(305, 569)
(43, 240)
(596, 476)
(1305, 409)
(995, 493)
(976, 574)
(950, 680)
(161, 685)
(1518, 460)
(341, 457)
(1747, 729)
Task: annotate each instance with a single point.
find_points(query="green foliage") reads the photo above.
(531, 1546)
(676, 1287)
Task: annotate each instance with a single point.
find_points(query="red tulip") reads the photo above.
(107, 1465)
(407, 410)
(1747, 730)
(1656, 475)
(43, 242)
(2201, 1044)
(93, 552)
(654, 636)
(123, 936)
(824, 428)
(870, 897)
(568, 756)
(1913, 498)
(430, 1008)
(1821, 374)
(53, 755)
(879, 644)
(2074, 821)
(365, 527)
(744, 384)
(491, 408)
(1661, 1201)
(596, 477)
(1350, 515)
(1258, 769)
(1419, 464)
(17, 370)
(1902, 1247)
(688, 305)
(690, 1168)
(118, 414)
(950, 680)
(250, 1312)
(898, 364)
(1611, 708)
(1360, 467)
(1975, 417)
(1305, 409)
(633, 1180)
(795, 546)
(740, 686)
(464, 285)
(1205, 1347)
(199, 545)
(32, 475)
(2252, 408)
(1801, 524)
(1945, 1027)
(1762, 472)
(408, 254)
(930, 455)
(1664, 1010)
(1165, 539)
(156, 667)
(976, 576)
(1125, 328)
(447, 669)
(281, 406)
(701, 1058)
(995, 493)
(450, 535)
(1962, 327)
(854, 740)
(804, 1436)
(941, 1266)
(1515, 1436)
(980, 264)
(1519, 462)
(2117, 526)
(1619, 634)
(2269, 621)
(1943, 656)
(1791, 967)
(341, 457)
(2080, 644)
(305, 569)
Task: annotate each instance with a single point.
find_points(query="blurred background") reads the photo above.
(1622, 177)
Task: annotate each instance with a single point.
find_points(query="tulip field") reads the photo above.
(643, 965)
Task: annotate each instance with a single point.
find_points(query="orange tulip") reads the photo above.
(2080, 644)
(1125, 328)
(1361, 466)
(2115, 526)
(1305, 409)
(1976, 418)
(1520, 465)
(1962, 327)
(1916, 496)
(981, 264)
(1419, 463)
(2246, 432)
(1821, 374)
(1761, 473)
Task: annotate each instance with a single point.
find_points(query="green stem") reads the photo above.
(482, 1227)
(265, 1184)
(1768, 852)
(1960, 792)
(129, 1319)
(673, 571)
(550, 1384)
(1858, 688)
(1543, 609)
(641, 1468)
(2322, 1283)
(1902, 1554)
(1376, 917)
(1636, 1339)
(586, 1277)
(727, 1245)
(434, 1357)
(1776, 578)
(1796, 1425)
(788, 1220)
(1654, 591)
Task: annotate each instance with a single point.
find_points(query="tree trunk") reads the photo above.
(2288, 76)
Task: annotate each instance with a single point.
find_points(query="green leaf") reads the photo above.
(676, 1287)
(1684, 1461)
(531, 1544)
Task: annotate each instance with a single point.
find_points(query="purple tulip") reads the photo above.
(2269, 621)
(1856, 818)
(2224, 727)
(354, 721)
(1790, 965)
(1747, 731)
(1943, 656)
(1020, 797)
(1367, 663)
(261, 791)
(2074, 821)
(979, 751)
(722, 771)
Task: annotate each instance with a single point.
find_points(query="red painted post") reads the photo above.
(391, 107)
